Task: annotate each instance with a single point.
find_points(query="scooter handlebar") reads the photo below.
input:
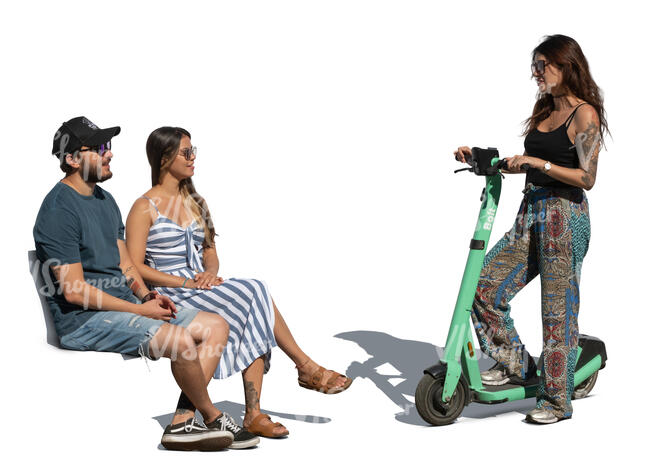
(480, 162)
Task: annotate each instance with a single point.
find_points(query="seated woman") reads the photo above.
(170, 237)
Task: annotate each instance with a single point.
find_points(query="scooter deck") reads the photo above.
(507, 386)
(502, 393)
(510, 392)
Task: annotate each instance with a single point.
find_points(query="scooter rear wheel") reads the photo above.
(582, 390)
(428, 401)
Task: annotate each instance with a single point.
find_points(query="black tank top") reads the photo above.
(553, 146)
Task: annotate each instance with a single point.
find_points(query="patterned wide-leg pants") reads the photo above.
(550, 238)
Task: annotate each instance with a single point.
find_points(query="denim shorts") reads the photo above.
(125, 333)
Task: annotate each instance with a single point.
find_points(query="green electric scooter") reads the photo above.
(455, 381)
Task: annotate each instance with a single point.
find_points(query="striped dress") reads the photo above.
(244, 303)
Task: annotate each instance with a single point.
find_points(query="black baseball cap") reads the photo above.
(78, 132)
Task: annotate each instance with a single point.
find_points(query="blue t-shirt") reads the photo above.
(72, 228)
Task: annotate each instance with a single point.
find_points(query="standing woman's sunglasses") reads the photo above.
(538, 67)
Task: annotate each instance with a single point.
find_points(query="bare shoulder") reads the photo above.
(141, 210)
(141, 204)
(586, 117)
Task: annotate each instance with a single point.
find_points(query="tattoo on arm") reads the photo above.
(588, 146)
(251, 395)
(134, 285)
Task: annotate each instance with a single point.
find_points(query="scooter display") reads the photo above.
(455, 381)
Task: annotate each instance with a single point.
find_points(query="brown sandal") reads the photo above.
(266, 430)
(316, 382)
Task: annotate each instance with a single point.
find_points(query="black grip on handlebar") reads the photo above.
(524, 167)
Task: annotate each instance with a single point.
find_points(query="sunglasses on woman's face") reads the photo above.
(99, 149)
(538, 67)
(188, 153)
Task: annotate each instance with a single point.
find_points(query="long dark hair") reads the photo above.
(565, 53)
(163, 145)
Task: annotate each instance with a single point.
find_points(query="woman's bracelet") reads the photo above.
(149, 296)
(184, 281)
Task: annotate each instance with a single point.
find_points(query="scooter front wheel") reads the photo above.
(428, 401)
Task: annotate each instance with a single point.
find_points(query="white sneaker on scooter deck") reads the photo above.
(499, 375)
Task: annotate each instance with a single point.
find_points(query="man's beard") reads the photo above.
(93, 174)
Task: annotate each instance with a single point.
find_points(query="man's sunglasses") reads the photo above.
(538, 67)
(99, 149)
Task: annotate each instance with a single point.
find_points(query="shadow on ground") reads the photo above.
(410, 358)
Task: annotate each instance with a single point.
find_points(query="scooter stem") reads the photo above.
(461, 329)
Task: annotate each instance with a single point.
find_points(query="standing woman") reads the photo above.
(551, 233)
(170, 238)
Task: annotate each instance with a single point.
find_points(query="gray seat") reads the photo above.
(40, 275)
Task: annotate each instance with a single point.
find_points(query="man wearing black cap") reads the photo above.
(102, 304)
(79, 133)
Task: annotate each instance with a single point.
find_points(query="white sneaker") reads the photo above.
(497, 375)
(541, 416)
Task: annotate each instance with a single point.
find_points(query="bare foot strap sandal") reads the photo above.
(316, 382)
(260, 428)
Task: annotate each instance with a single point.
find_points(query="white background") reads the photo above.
(325, 132)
